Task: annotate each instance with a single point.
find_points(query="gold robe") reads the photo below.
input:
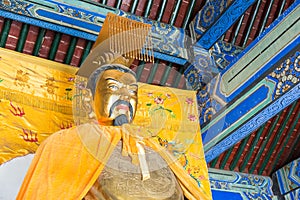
(68, 163)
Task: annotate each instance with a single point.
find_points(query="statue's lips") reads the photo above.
(122, 107)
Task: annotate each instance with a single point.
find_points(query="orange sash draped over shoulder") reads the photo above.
(63, 168)
(68, 163)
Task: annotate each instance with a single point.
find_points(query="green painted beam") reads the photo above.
(251, 23)
(287, 138)
(153, 72)
(266, 17)
(166, 74)
(233, 164)
(297, 141)
(214, 162)
(119, 4)
(250, 152)
(226, 157)
(39, 41)
(71, 50)
(266, 140)
(188, 14)
(86, 51)
(54, 46)
(175, 13)
(161, 10)
(178, 77)
(22, 37)
(134, 5)
(140, 70)
(147, 11)
(5, 31)
(274, 143)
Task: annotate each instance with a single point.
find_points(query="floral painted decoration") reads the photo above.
(158, 103)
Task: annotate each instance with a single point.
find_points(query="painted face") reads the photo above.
(115, 95)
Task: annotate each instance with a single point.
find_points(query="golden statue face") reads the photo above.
(115, 96)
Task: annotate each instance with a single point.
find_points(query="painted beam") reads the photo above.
(282, 84)
(206, 17)
(276, 43)
(215, 147)
(215, 18)
(201, 68)
(224, 53)
(206, 64)
(288, 177)
(84, 19)
(254, 81)
(293, 195)
(233, 185)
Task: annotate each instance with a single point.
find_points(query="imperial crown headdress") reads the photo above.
(120, 41)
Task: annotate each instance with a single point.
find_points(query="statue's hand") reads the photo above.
(120, 120)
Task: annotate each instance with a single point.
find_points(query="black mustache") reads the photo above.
(119, 102)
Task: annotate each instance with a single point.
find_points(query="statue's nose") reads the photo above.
(124, 94)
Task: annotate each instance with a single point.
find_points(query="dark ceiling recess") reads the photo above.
(268, 148)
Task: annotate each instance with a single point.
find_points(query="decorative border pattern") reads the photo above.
(246, 186)
(288, 177)
(224, 53)
(293, 195)
(201, 70)
(239, 134)
(198, 75)
(223, 22)
(208, 15)
(283, 82)
(284, 77)
(238, 113)
(280, 40)
(59, 13)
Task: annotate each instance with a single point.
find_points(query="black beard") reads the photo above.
(120, 120)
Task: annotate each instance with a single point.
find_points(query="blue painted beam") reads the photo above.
(239, 186)
(288, 177)
(250, 104)
(84, 19)
(222, 23)
(207, 16)
(224, 53)
(48, 25)
(255, 80)
(206, 64)
(272, 46)
(251, 125)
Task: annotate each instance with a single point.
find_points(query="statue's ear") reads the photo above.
(87, 103)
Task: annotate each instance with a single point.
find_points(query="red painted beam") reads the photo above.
(32, 35)
(78, 52)
(13, 35)
(46, 45)
(62, 48)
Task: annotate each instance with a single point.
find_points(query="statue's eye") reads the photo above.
(132, 92)
(113, 87)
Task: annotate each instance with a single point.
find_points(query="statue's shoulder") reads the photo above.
(64, 136)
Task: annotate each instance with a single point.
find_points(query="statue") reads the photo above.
(110, 157)
(114, 88)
